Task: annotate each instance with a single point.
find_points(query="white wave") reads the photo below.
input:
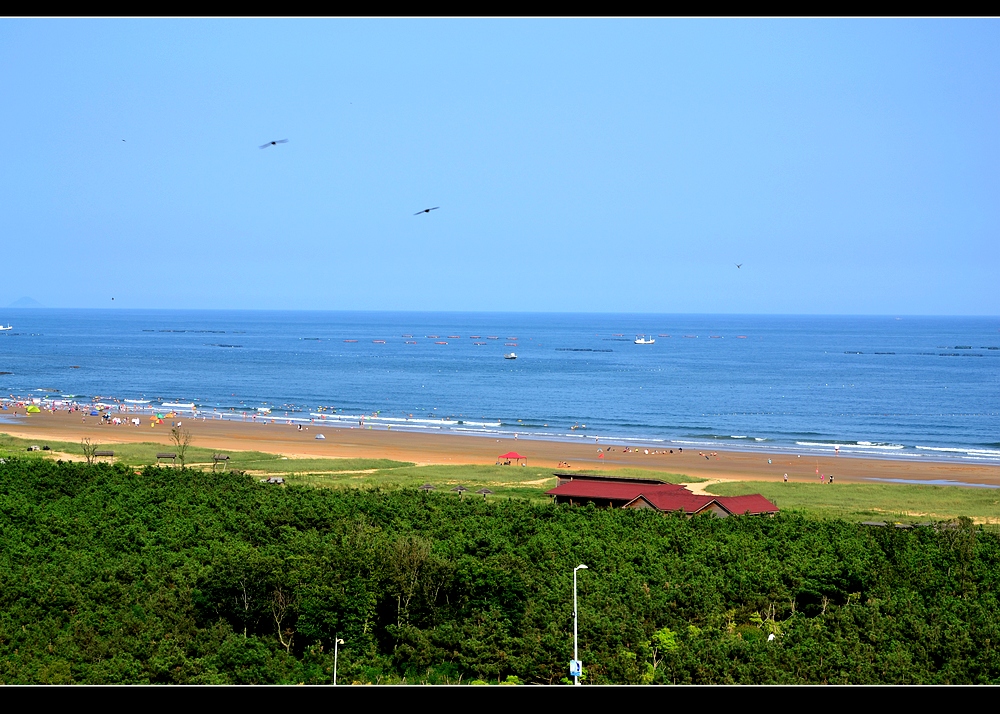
(737, 437)
(858, 445)
(954, 450)
(177, 405)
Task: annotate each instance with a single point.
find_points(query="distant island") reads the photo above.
(26, 301)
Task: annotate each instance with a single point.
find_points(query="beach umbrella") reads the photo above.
(460, 490)
(427, 487)
(485, 491)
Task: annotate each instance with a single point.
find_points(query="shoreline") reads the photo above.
(424, 448)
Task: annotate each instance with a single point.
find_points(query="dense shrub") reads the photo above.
(179, 576)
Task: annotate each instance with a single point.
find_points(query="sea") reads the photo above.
(924, 388)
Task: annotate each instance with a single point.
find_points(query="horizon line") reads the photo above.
(499, 312)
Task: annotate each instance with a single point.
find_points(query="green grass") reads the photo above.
(859, 502)
(507, 481)
(896, 503)
(144, 453)
(504, 481)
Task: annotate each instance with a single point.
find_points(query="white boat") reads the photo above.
(643, 340)
(510, 355)
(4, 329)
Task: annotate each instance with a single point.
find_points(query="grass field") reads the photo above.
(504, 481)
(853, 501)
(875, 501)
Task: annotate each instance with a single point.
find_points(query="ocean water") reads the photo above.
(913, 387)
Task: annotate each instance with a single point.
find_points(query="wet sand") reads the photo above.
(422, 448)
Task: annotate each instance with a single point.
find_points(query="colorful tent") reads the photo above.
(32, 409)
(512, 456)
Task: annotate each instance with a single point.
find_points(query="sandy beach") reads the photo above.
(421, 448)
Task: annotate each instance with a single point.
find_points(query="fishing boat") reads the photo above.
(643, 340)
(4, 329)
(510, 355)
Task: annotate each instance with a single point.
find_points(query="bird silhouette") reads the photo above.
(738, 265)
(274, 143)
(426, 210)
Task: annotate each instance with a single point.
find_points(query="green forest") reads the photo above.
(119, 574)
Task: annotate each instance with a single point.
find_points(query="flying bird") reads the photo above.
(738, 265)
(274, 143)
(426, 210)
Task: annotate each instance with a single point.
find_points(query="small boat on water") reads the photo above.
(492, 337)
(510, 344)
(643, 340)
(4, 329)
(378, 342)
(350, 340)
(454, 337)
(440, 343)
(510, 355)
(411, 342)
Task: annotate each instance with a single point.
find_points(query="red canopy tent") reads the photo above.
(511, 456)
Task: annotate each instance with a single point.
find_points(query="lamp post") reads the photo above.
(576, 668)
(336, 641)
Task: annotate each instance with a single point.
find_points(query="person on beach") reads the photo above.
(786, 478)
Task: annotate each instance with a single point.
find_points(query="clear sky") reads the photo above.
(579, 165)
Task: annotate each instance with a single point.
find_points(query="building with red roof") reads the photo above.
(617, 492)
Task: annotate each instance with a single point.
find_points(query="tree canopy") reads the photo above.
(113, 575)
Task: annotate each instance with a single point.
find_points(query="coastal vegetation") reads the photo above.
(895, 503)
(112, 573)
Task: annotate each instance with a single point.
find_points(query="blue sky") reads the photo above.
(580, 165)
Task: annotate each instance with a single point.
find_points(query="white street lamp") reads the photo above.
(336, 641)
(576, 668)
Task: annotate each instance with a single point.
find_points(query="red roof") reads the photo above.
(511, 455)
(615, 491)
(752, 504)
(662, 496)
(682, 500)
